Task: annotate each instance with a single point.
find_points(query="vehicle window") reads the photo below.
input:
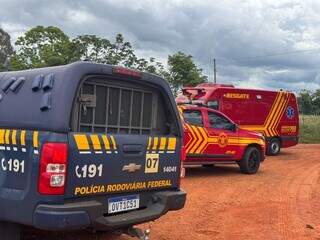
(193, 117)
(214, 104)
(218, 121)
(121, 109)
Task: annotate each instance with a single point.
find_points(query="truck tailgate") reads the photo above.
(108, 164)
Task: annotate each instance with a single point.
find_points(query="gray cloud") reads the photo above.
(231, 31)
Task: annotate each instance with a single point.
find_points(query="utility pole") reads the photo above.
(214, 71)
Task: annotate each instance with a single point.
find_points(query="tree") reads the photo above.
(316, 102)
(305, 102)
(92, 48)
(183, 71)
(42, 47)
(50, 46)
(6, 49)
(118, 52)
(101, 50)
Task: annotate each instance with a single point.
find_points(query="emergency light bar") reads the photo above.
(198, 102)
(188, 91)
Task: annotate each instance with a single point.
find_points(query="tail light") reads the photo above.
(127, 72)
(183, 158)
(53, 168)
(183, 154)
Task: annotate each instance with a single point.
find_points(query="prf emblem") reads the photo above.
(152, 163)
(223, 140)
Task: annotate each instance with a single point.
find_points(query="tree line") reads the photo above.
(309, 102)
(50, 46)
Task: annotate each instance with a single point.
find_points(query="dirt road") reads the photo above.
(282, 201)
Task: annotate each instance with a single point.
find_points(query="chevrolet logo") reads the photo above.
(132, 167)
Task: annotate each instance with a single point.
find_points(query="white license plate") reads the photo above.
(122, 204)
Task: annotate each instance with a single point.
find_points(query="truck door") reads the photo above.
(223, 134)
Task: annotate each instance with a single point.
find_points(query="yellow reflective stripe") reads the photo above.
(163, 142)
(2, 132)
(258, 141)
(197, 143)
(205, 141)
(155, 143)
(81, 141)
(172, 144)
(274, 107)
(113, 142)
(280, 114)
(35, 139)
(106, 142)
(23, 138)
(7, 136)
(149, 143)
(193, 139)
(14, 137)
(96, 142)
(276, 114)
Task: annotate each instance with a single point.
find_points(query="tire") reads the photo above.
(251, 161)
(10, 231)
(274, 147)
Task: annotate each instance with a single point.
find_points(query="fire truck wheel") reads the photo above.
(10, 231)
(273, 147)
(251, 161)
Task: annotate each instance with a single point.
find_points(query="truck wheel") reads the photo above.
(10, 231)
(251, 161)
(273, 147)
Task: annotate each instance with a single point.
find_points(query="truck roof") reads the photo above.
(43, 98)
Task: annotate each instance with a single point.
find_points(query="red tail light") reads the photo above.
(53, 168)
(183, 155)
(127, 72)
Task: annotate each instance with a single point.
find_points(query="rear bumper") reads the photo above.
(89, 214)
(289, 141)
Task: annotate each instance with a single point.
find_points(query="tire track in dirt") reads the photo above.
(294, 196)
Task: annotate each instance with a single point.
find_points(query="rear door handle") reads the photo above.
(132, 148)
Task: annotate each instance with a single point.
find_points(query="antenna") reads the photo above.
(214, 71)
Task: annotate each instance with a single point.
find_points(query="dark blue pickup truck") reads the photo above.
(87, 146)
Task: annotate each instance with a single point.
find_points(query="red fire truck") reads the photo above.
(211, 137)
(273, 113)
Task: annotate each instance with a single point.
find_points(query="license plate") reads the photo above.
(122, 204)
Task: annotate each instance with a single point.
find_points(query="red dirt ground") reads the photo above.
(282, 201)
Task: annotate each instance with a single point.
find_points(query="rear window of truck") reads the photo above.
(111, 106)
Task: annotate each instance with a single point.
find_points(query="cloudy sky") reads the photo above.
(267, 44)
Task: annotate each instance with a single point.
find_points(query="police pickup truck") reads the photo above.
(87, 146)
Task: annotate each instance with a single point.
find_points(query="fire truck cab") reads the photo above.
(211, 137)
(273, 113)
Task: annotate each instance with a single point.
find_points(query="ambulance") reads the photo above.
(210, 137)
(273, 113)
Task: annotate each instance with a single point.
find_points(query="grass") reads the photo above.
(309, 129)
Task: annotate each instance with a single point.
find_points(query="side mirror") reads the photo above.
(233, 127)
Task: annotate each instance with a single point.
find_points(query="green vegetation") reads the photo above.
(309, 129)
(309, 102)
(50, 46)
(6, 49)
